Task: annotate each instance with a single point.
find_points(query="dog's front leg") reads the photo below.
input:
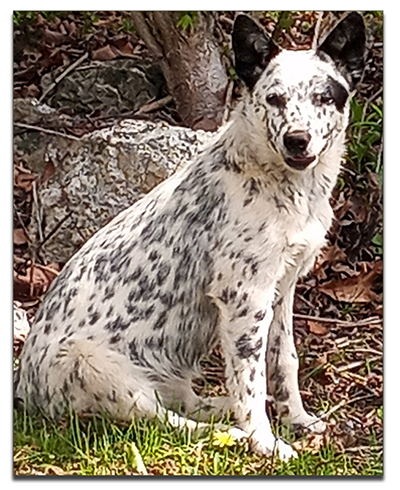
(244, 333)
(283, 362)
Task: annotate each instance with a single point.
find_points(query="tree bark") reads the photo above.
(191, 63)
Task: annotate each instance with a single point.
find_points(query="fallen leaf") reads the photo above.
(24, 181)
(54, 37)
(313, 443)
(34, 283)
(103, 54)
(20, 237)
(317, 328)
(354, 289)
(124, 46)
(48, 172)
(54, 470)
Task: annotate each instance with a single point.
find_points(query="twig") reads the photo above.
(354, 364)
(344, 403)
(38, 217)
(45, 130)
(317, 31)
(48, 269)
(343, 323)
(56, 228)
(155, 105)
(228, 101)
(363, 448)
(63, 75)
(227, 20)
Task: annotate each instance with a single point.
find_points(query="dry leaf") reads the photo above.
(24, 181)
(35, 283)
(54, 470)
(317, 328)
(48, 172)
(103, 54)
(355, 289)
(19, 237)
(313, 443)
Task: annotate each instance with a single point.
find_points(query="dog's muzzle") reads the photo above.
(296, 143)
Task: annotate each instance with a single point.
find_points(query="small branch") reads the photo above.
(343, 323)
(63, 75)
(45, 130)
(317, 31)
(36, 201)
(354, 364)
(344, 403)
(227, 20)
(155, 105)
(228, 101)
(53, 231)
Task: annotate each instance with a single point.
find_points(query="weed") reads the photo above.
(187, 20)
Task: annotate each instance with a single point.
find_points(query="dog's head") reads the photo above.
(299, 99)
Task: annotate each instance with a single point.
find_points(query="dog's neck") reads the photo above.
(254, 155)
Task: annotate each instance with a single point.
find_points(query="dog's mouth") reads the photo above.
(299, 162)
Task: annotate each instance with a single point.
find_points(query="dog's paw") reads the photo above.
(283, 451)
(309, 423)
(274, 447)
(237, 433)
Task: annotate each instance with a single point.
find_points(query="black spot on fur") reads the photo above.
(246, 348)
(281, 394)
(94, 317)
(161, 321)
(260, 315)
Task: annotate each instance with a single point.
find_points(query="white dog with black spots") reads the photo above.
(211, 255)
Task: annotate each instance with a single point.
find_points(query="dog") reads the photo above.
(210, 255)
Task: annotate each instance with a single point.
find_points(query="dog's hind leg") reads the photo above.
(89, 378)
(178, 395)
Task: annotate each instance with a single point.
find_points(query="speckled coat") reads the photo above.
(210, 255)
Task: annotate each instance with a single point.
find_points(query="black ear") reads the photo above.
(253, 49)
(346, 46)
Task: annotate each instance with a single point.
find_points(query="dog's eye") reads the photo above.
(323, 98)
(276, 100)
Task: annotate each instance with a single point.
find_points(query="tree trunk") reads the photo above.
(191, 63)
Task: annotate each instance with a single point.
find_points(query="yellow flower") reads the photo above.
(223, 439)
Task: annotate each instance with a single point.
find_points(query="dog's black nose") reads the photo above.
(296, 141)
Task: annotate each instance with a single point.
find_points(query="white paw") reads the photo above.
(274, 447)
(283, 451)
(237, 433)
(310, 423)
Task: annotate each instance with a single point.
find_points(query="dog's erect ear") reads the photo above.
(253, 49)
(346, 46)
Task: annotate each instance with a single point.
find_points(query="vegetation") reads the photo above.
(99, 447)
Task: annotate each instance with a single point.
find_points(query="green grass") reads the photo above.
(99, 447)
(365, 142)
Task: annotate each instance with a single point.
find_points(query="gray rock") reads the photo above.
(112, 87)
(97, 176)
